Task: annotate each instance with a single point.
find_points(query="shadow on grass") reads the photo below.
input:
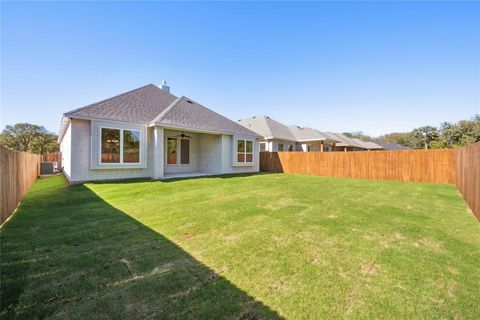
(216, 176)
(68, 254)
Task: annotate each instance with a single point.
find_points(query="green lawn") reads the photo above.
(248, 247)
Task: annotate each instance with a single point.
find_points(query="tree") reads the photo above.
(45, 142)
(357, 134)
(401, 138)
(423, 136)
(28, 137)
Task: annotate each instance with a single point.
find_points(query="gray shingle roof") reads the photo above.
(150, 104)
(345, 141)
(187, 113)
(367, 144)
(268, 128)
(305, 134)
(390, 146)
(141, 105)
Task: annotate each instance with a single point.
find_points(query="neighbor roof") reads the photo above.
(306, 134)
(268, 128)
(153, 105)
(390, 146)
(345, 141)
(367, 144)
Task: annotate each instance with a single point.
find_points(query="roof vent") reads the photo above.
(164, 86)
(189, 101)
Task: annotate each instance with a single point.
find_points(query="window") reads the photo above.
(290, 147)
(110, 145)
(178, 150)
(244, 151)
(184, 151)
(172, 151)
(263, 146)
(280, 147)
(131, 146)
(119, 146)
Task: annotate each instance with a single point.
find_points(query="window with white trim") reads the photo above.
(119, 146)
(263, 146)
(244, 151)
(178, 151)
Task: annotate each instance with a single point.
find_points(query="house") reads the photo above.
(390, 146)
(352, 144)
(150, 133)
(275, 135)
(309, 139)
(279, 137)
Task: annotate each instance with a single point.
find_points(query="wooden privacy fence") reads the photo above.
(18, 171)
(402, 165)
(455, 166)
(468, 176)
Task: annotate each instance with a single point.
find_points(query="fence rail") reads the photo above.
(18, 171)
(456, 166)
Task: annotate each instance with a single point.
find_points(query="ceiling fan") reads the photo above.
(183, 136)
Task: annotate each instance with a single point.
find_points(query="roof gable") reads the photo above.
(268, 128)
(140, 105)
(186, 113)
(152, 105)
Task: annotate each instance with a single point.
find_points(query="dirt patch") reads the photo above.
(369, 269)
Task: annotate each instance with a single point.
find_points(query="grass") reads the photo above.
(248, 247)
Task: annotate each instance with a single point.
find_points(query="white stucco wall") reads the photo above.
(81, 163)
(210, 154)
(228, 155)
(66, 150)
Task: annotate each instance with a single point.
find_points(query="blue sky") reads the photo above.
(377, 67)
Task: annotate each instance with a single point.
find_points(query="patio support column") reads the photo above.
(321, 146)
(334, 146)
(158, 152)
(345, 149)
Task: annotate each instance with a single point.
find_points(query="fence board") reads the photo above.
(468, 176)
(437, 165)
(18, 171)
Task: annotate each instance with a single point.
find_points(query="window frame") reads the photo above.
(179, 152)
(121, 163)
(236, 153)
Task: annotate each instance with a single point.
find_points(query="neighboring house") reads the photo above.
(352, 144)
(275, 135)
(309, 139)
(279, 137)
(390, 146)
(150, 133)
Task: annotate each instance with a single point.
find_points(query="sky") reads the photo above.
(376, 67)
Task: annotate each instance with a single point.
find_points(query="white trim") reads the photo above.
(108, 120)
(190, 129)
(121, 163)
(236, 152)
(179, 153)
